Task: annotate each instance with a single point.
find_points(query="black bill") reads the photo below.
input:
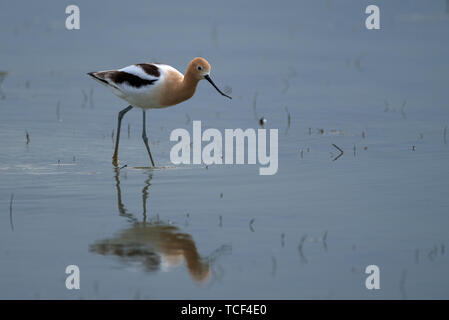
(207, 77)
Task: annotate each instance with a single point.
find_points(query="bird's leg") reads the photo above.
(145, 138)
(119, 124)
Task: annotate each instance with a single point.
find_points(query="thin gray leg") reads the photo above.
(145, 138)
(117, 139)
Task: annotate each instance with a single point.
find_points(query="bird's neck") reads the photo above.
(179, 88)
(188, 85)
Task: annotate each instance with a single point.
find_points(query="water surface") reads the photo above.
(225, 232)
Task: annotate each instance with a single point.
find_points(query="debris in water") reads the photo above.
(403, 109)
(289, 119)
(300, 247)
(10, 212)
(251, 225)
(3, 75)
(91, 98)
(84, 99)
(341, 152)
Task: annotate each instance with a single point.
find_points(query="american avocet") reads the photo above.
(152, 86)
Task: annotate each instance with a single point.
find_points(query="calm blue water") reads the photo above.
(225, 232)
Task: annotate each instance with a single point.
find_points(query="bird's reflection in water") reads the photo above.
(153, 244)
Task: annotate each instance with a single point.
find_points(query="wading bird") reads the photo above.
(153, 86)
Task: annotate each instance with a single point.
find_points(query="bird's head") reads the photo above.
(199, 69)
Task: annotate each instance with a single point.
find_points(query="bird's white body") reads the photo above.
(142, 94)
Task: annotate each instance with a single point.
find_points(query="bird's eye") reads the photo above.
(200, 68)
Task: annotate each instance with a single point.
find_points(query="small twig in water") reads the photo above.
(289, 118)
(84, 99)
(341, 152)
(10, 212)
(3, 75)
(91, 98)
(251, 225)
(325, 240)
(301, 253)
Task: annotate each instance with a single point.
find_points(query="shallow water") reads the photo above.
(224, 231)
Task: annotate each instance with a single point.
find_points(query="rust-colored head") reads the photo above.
(199, 69)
